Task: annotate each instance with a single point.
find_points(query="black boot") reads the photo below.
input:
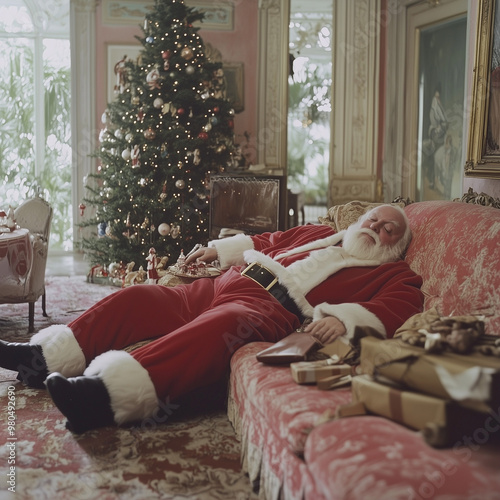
(84, 401)
(27, 359)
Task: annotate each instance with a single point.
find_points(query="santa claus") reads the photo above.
(270, 283)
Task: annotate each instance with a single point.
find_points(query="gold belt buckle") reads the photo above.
(268, 287)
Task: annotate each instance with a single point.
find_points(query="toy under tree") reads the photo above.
(168, 129)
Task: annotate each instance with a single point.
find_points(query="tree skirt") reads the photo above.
(192, 453)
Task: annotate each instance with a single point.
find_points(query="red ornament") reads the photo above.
(230, 123)
(216, 109)
(166, 54)
(181, 111)
(82, 208)
(203, 135)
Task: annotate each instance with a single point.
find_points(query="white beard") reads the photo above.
(358, 245)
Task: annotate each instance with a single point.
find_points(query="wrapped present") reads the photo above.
(441, 421)
(309, 372)
(472, 380)
(334, 382)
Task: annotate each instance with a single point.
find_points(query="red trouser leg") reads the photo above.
(131, 315)
(199, 327)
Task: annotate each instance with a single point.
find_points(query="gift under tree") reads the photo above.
(167, 130)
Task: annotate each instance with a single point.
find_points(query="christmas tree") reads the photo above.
(168, 129)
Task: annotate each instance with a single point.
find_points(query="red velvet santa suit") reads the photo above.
(199, 326)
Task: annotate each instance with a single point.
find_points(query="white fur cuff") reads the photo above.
(352, 315)
(61, 351)
(133, 396)
(230, 250)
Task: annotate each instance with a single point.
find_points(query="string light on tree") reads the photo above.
(163, 135)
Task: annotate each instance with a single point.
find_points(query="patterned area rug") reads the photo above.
(193, 453)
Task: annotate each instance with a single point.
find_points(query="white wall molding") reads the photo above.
(83, 102)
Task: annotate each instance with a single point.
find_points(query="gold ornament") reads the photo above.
(149, 134)
(187, 53)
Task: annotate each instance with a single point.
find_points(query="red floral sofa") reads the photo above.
(292, 448)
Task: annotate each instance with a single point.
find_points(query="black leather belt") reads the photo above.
(268, 280)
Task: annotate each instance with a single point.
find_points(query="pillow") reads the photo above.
(340, 217)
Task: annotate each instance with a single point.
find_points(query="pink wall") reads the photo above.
(239, 45)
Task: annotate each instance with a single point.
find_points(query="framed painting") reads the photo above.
(116, 54)
(125, 12)
(233, 74)
(219, 15)
(436, 74)
(483, 148)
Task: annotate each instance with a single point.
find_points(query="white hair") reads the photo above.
(388, 254)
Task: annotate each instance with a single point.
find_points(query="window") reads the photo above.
(309, 94)
(35, 138)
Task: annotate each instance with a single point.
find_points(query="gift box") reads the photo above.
(472, 380)
(442, 422)
(309, 372)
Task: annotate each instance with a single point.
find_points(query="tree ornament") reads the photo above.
(119, 134)
(181, 111)
(163, 194)
(135, 100)
(187, 53)
(158, 103)
(104, 117)
(166, 108)
(214, 120)
(175, 232)
(216, 109)
(207, 127)
(164, 229)
(150, 39)
(180, 184)
(149, 134)
(129, 137)
(82, 208)
(196, 157)
(203, 135)
(126, 154)
(101, 230)
(190, 69)
(220, 148)
(104, 135)
(135, 154)
(153, 79)
(166, 54)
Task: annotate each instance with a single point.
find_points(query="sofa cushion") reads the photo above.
(456, 250)
(371, 457)
(340, 217)
(292, 410)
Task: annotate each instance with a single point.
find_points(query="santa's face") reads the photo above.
(375, 237)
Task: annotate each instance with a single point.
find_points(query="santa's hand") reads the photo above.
(326, 330)
(203, 254)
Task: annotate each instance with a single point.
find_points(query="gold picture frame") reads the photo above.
(483, 148)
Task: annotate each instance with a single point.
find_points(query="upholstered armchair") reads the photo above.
(23, 256)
